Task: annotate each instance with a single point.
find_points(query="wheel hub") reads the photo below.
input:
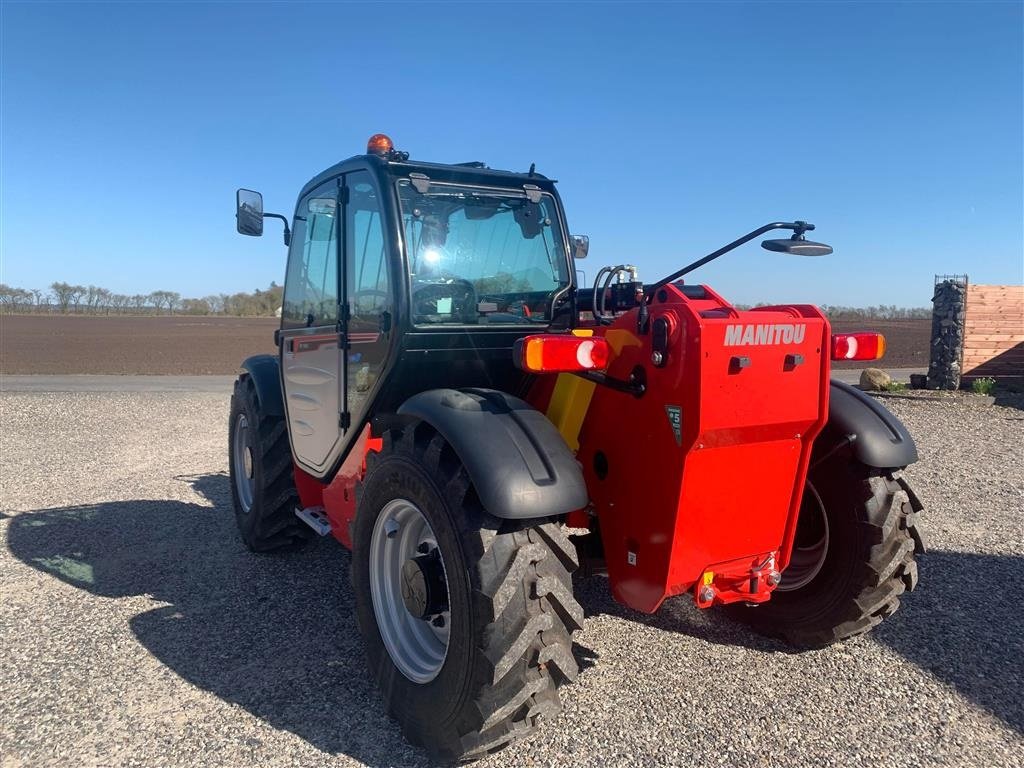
(409, 589)
(243, 462)
(423, 588)
(811, 543)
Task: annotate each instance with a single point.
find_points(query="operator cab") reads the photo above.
(404, 276)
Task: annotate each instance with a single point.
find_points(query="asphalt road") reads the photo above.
(136, 630)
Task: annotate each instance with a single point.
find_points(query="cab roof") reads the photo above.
(465, 173)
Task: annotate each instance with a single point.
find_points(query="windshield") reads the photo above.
(479, 255)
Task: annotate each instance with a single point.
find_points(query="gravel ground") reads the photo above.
(136, 630)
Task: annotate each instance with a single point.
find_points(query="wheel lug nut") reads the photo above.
(391, 528)
(438, 621)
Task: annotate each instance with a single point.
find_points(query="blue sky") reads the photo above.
(673, 128)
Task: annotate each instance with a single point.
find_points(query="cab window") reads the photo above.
(369, 291)
(368, 269)
(311, 286)
(479, 255)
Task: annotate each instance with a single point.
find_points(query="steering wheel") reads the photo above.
(427, 294)
(368, 292)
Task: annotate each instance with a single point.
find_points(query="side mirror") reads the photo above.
(797, 246)
(249, 212)
(580, 246)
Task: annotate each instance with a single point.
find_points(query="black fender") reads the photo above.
(265, 372)
(877, 438)
(517, 460)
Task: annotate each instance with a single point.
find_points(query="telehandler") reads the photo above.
(451, 404)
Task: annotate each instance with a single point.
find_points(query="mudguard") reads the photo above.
(265, 372)
(518, 462)
(878, 437)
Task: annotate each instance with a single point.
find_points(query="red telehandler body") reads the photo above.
(453, 407)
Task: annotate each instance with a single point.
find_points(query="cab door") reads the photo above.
(311, 363)
(368, 295)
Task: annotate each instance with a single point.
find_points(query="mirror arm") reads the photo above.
(287, 232)
(798, 227)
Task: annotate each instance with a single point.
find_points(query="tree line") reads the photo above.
(68, 299)
(879, 312)
(65, 298)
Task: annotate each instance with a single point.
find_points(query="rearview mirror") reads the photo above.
(797, 247)
(249, 212)
(580, 246)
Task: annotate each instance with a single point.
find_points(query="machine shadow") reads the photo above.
(274, 634)
(1011, 398)
(963, 624)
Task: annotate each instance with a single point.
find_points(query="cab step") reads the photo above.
(315, 518)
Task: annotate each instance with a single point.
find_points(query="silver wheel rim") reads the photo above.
(417, 646)
(807, 557)
(242, 463)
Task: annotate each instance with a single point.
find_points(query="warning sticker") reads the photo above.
(675, 418)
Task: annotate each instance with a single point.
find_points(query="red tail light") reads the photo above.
(554, 354)
(857, 346)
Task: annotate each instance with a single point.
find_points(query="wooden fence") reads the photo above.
(994, 332)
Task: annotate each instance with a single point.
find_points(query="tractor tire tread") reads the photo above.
(882, 574)
(521, 579)
(274, 526)
(887, 569)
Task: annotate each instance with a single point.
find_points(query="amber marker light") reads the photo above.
(379, 144)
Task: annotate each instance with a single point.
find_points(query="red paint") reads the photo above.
(744, 579)
(340, 495)
(578, 518)
(310, 489)
(723, 495)
(338, 499)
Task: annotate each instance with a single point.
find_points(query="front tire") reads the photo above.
(490, 671)
(853, 557)
(262, 485)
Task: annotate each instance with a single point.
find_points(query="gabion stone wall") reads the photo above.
(948, 325)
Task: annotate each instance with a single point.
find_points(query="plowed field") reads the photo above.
(185, 345)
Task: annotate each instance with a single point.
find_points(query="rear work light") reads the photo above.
(561, 354)
(857, 346)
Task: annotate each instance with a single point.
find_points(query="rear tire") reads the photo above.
(262, 485)
(511, 612)
(870, 540)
